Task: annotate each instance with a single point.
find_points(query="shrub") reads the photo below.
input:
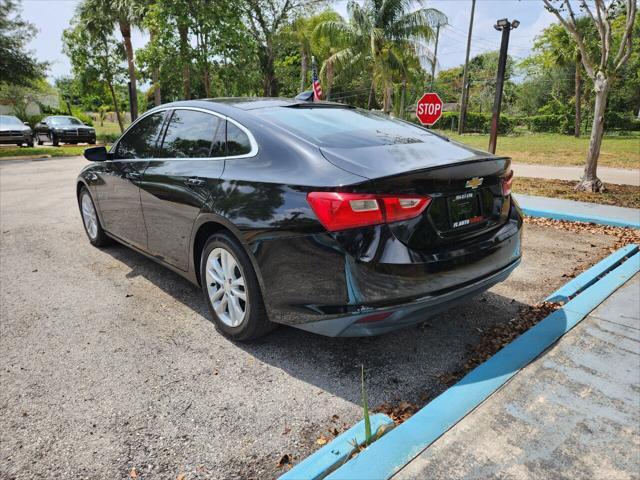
(83, 117)
(107, 137)
(621, 121)
(476, 122)
(32, 120)
(551, 123)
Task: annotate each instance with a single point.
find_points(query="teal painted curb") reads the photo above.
(392, 452)
(576, 217)
(589, 277)
(334, 453)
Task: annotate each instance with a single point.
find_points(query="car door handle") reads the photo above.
(133, 175)
(194, 182)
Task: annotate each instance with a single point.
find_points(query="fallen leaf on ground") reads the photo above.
(284, 460)
(321, 441)
(133, 473)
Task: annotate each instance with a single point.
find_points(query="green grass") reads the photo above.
(109, 128)
(622, 151)
(61, 151)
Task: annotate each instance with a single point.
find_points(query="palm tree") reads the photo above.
(125, 14)
(372, 37)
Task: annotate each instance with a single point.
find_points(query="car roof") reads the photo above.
(246, 103)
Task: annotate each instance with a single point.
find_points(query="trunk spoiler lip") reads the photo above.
(470, 160)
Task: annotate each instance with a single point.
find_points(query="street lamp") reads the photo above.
(505, 26)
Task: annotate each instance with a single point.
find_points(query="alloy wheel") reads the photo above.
(89, 216)
(226, 287)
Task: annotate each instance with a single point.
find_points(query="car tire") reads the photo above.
(221, 296)
(92, 141)
(55, 141)
(30, 144)
(40, 142)
(90, 220)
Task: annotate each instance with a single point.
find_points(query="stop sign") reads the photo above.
(429, 108)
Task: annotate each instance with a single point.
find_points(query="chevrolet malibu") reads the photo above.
(316, 215)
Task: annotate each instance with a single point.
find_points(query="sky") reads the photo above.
(51, 17)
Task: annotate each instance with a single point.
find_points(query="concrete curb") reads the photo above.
(25, 157)
(336, 452)
(557, 215)
(389, 454)
(575, 211)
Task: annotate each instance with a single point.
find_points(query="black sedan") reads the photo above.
(316, 215)
(14, 132)
(61, 129)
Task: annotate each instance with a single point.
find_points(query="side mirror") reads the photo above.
(26, 123)
(96, 154)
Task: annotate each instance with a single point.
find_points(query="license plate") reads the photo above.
(464, 209)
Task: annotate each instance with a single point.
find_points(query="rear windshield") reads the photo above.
(343, 127)
(65, 121)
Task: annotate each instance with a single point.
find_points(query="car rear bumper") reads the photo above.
(383, 320)
(312, 282)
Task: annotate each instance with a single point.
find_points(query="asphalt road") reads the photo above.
(109, 362)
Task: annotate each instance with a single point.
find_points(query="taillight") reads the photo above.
(341, 211)
(506, 184)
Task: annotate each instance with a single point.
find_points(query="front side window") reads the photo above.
(140, 139)
(191, 134)
(237, 141)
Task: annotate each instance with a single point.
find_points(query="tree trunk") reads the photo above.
(578, 88)
(304, 68)
(590, 181)
(371, 94)
(125, 30)
(183, 31)
(155, 75)
(115, 105)
(387, 100)
(269, 82)
(329, 75)
(403, 94)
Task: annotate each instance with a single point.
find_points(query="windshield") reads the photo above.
(9, 120)
(64, 121)
(343, 127)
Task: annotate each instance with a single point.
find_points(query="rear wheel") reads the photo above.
(40, 142)
(231, 289)
(90, 219)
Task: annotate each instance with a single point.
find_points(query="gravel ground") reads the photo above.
(109, 362)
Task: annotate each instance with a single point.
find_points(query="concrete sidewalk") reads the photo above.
(579, 209)
(620, 176)
(573, 413)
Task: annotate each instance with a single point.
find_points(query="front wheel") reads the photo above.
(90, 220)
(55, 141)
(231, 290)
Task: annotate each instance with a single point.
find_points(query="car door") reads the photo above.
(119, 192)
(177, 183)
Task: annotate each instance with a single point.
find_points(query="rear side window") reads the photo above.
(191, 134)
(140, 140)
(237, 141)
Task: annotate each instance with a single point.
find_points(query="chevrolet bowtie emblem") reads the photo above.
(474, 183)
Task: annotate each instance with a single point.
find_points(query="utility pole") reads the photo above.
(505, 26)
(435, 57)
(465, 87)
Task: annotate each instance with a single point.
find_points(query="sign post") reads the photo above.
(429, 109)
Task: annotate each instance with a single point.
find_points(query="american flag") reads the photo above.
(317, 89)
